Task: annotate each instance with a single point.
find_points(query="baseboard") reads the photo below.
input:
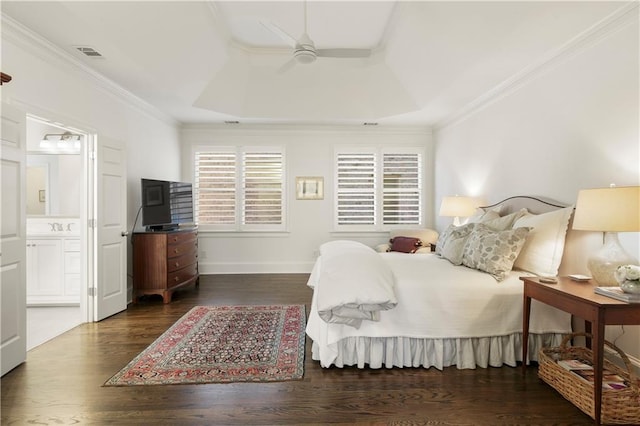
(614, 357)
(212, 268)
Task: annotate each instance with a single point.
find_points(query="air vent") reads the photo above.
(89, 51)
(231, 122)
(370, 123)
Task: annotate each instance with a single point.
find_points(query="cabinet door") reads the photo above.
(72, 268)
(44, 267)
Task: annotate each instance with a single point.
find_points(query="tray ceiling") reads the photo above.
(207, 62)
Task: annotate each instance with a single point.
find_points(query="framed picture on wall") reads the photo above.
(309, 187)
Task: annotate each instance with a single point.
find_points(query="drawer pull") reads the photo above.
(177, 264)
(176, 279)
(175, 239)
(176, 250)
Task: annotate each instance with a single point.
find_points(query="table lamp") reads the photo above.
(457, 207)
(609, 210)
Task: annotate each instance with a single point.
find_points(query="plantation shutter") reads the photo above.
(356, 188)
(215, 182)
(263, 188)
(402, 187)
(240, 189)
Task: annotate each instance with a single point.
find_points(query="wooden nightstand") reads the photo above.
(579, 299)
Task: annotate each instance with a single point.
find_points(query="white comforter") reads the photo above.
(437, 300)
(353, 284)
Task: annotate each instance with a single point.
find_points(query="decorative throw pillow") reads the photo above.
(423, 249)
(482, 215)
(443, 238)
(505, 222)
(454, 244)
(493, 251)
(426, 235)
(542, 252)
(405, 244)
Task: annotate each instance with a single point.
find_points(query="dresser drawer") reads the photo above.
(182, 275)
(180, 262)
(177, 250)
(179, 238)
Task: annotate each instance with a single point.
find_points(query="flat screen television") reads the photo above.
(166, 204)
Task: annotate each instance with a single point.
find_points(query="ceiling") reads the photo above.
(209, 62)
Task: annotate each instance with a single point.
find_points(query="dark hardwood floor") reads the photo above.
(61, 382)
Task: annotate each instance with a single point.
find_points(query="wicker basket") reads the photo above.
(621, 406)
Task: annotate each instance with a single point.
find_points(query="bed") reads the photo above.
(449, 307)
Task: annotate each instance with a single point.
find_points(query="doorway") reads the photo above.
(57, 201)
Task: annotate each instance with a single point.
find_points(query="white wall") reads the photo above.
(573, 126)
(309, 152)
(51, 84)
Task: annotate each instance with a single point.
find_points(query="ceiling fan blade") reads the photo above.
(280, 33)
(344, 53)
(287, 66)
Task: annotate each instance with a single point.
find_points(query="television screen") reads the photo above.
(166, 204)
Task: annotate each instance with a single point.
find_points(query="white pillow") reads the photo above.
(542, 251)
(505, 222)
(482, 215)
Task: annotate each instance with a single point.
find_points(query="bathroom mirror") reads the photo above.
(53, 184)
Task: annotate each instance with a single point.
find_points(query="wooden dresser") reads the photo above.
(164, 261)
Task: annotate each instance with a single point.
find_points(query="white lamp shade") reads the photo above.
(615, 209)
(610, 210)
(457, 206)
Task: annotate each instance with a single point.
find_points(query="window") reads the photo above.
(356, 191)
(401, 189)
(376, 188)
(240, 188)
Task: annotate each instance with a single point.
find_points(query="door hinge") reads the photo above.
(92, 155)
(92, 223)
(92, 291)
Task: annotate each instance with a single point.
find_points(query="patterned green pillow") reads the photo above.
(492, 251)
(454, 245)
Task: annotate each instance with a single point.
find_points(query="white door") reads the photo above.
(111, 242)
(13, 248)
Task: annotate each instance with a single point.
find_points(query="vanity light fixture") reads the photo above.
(65, 141)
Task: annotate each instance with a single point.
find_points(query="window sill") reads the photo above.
(242, 234)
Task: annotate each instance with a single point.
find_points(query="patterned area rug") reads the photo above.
(222, 344)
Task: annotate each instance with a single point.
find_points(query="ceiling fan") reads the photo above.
(304, 50)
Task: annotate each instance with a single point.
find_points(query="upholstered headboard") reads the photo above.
(578, 244)
(535, 205)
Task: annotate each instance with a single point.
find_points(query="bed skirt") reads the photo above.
(464, 353)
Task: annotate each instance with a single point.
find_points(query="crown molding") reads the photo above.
(622, 17)
(311, 128)
(33, 42)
